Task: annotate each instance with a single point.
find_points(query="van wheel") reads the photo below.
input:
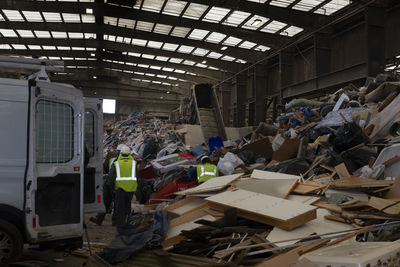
(11, 243)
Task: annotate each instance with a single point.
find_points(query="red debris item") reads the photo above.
(148, 173)
(167, 192)
(186, 186)
(186, 155)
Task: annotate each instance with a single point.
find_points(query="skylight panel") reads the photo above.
(236, 18)
(241, 61)
(63, 48)
(201, 65)
(32, 16)
(161, 76)
(150, 74)
(185, 49)
(216, 37)
(161, 58)
(214, 55)
(134, 54)
(195, 11)
(139, 42)
(180, 31)
(216, 14)
(70, 17)
(228, 58)
(307, 5)
(291, 31)
(8, 33)
(154, 44)
(19, 46)
(258, 1)
(212, 68)
(42, 34)
(156, 82)
(34, 47)
(77, 48)
(90, 49)
(59, 35)
(49, 47)
(128, 23)
(232, 41)
(189, 62)
(255, 22)
(13, 15)
(138, 73)
(247, 45)
(144, 26)
(281, 3)
(110, 38)
(168, 69)
(172, 78)
(130, 64)
(174, 7)
(88, 18)
(332, 7)
(273, 26)
(90, 36)
(152, 5)
(162, 28)
(198, 34)
(262, 48)
(25, 33)
(52, 17)
(170, 47)
(175, 60)
(75, 35)
(180, 71)
(200, 52)
(110, 20)
(143, 65)
(155, 67)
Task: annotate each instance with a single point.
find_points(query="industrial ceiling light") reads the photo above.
(204, 62)
(161, 97)
(89, 10)
(168, 92)
(92, 54)
(95, 93)
(224, 48)
(256, 22)
(94, 77)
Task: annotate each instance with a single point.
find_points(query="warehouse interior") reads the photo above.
(245, 83)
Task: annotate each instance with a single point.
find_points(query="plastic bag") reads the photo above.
(228, 163)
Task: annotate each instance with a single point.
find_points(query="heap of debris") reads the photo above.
(318, 186)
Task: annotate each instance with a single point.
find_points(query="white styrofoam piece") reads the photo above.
(387, 153)
(357, 254)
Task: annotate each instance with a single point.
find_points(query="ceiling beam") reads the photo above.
(272, 40)
(211, 74)
(108, 45)
(237, 52)
(289, 16)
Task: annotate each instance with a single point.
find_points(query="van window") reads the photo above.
(54, 132)
(89, 132)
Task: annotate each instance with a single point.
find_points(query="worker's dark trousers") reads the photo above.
(122, 206)
(107, 200)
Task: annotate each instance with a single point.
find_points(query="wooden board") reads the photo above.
(358, 182)
(214, 184)
(318, 226)
(387, 206)
(186, 205)
(342, 171)
(272, 187)
(282, 213)
(326, 205)
(184, 222)
(272, 175)
(306, 188)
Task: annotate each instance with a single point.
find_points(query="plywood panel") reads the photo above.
(266, 209)
(272, 187)
(185, 205)
(272, 175)
(211, 185)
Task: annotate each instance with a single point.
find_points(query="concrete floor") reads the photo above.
(97, 235)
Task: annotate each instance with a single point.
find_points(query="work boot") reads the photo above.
(96, 220)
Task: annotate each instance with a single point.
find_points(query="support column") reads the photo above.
(285, 71)
(239, 83)
(375, 39)
(322, 53)
(260, 90)
(225, 93)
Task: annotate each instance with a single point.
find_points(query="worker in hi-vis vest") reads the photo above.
(206, 170)
(123, 177)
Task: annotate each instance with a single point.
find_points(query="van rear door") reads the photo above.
(93, 178)
(54, 179)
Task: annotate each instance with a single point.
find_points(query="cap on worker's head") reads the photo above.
(124, 149)
(204, 159)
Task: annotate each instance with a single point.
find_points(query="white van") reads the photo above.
(42, 174)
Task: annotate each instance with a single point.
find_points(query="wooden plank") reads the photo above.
(358, 182)
(342, 171)
(326, 205)
(313, 166)
(186, 205)
(211, 185)
(306, 188)
(272, 187)
(259, 174)
(263, 208)
(384, 205)
(291, 188)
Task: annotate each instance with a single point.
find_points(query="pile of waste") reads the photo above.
(315, 188)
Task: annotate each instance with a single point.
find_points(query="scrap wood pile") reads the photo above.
(315, 187)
